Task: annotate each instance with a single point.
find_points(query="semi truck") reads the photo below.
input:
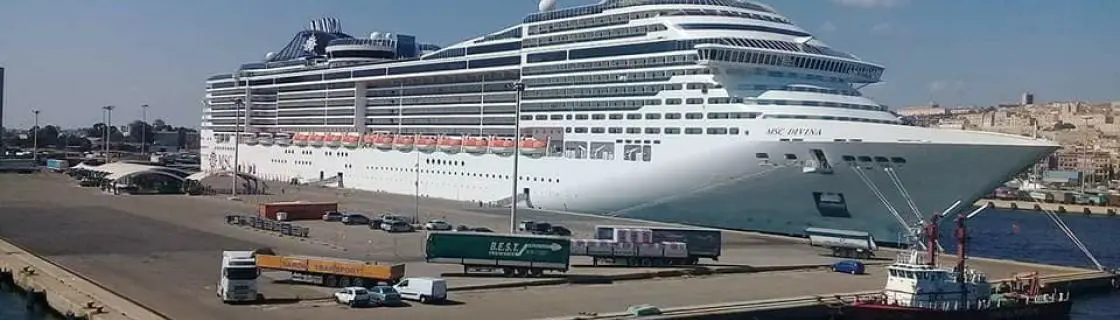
(610, 252)
(700, 243)
(298, 210)
(332, 272)
(843, 243)
(238, 282)
(513, 255)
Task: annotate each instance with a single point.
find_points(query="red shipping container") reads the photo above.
(297, 210)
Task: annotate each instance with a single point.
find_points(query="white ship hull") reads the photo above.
(714, 181)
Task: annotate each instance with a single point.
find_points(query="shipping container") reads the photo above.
(332, 272)
(702, 243)
(512, 254)
(297, 210)
(57, 164)
(610, 252)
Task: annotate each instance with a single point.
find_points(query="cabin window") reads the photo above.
(848, 158)
(898, 160)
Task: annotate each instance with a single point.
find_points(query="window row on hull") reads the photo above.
(867, 72)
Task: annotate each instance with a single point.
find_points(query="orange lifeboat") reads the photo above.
(383, 141)
(351, 140)
(300, 138)
(404, 142)
(474, 145)
(316, 139)
(369, 139)
(426, 143)
(450, 145)
(334, 140)
(501, 145)
(532, 146)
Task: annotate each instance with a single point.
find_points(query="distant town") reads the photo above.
(1089, 133)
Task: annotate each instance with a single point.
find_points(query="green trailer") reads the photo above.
(513, 255)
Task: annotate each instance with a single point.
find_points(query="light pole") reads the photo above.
(416, 215)
(35, 139)
(236, 143)
(144, 130)
(519, 86)
(108, 129)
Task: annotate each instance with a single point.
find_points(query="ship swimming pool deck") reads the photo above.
(164, 252)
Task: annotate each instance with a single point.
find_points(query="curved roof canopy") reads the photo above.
(118, 170)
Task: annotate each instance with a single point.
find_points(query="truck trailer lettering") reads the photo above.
(513, 249)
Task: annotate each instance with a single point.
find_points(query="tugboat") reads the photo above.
(918, 289)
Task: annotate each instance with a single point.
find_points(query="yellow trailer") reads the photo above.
(332, 272)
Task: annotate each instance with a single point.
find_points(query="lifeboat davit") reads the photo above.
(501, 145)
(426, 144)
(450, 145)
(404, 142)
(474, 145)
(383, 141)
(533, 146)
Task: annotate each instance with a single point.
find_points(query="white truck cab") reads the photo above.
(423, 289)
(239, 277)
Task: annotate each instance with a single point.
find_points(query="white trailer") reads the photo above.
(843, 243)
(607, 252)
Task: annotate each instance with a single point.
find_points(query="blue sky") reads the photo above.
(69, 57)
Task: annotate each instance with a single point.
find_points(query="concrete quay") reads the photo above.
(823, 306)
(163, 251)
(1027, 205)
(66, 292)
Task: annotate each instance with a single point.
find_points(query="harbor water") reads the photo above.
(1001, 234)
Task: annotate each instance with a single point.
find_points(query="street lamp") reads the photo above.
(35, 139)
(144, 130)
(108, 129)
(237, 103)
(519, 86)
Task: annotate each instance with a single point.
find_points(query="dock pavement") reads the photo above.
(163, 251)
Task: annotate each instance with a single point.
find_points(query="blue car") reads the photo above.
(848, 266)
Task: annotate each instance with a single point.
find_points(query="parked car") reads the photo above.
(423, 289)
(354, 218)
(332, 216)
(385, 296)
(849, 266)
(437, 225)
(481, 229)
(462, 228)
(560, 231)
(397, 226)
(353, 296)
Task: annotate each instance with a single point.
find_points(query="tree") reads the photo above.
(75, 142)
(159, 125)
(98, 131)
(140, 130)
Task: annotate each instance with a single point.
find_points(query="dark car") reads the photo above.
(481, 229)
(560, 231)
(332, 216)
(849, 266)
(354, 218)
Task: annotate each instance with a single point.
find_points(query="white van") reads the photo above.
(423, 289)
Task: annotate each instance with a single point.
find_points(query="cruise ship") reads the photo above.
(717, 113)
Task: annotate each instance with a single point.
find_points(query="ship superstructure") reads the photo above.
(710, 112)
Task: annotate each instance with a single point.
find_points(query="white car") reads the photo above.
(438, 225)
(352, 296)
